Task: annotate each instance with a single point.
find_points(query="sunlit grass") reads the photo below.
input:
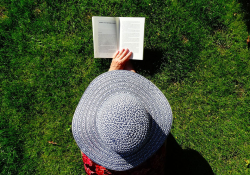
(195, 52)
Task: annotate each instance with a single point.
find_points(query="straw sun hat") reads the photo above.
(121, 120)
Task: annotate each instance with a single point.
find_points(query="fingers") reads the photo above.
(116, 54)
(123, 53)
(126, 58)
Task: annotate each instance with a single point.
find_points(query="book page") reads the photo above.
(104, 36)
(132, 35)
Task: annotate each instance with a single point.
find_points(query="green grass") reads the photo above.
(195, 52)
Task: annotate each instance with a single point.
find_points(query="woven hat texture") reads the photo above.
(121, 120)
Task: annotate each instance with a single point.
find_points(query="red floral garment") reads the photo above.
(153, 166)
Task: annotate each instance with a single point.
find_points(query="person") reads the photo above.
(121, 122)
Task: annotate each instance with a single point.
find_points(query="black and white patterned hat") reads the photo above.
(121, 120)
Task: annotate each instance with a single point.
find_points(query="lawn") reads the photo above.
(195, 51)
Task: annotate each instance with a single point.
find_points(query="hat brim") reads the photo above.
(102, 88)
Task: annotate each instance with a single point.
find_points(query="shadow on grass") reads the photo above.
(174, 65)
(11, 151)
(155, 61)
(246, 8)
(184, 161)
(151, 62)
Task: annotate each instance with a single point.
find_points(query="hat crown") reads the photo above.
(123, 123)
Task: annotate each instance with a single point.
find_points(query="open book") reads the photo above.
(111, 34)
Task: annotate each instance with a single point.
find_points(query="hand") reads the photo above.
(120, 60)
